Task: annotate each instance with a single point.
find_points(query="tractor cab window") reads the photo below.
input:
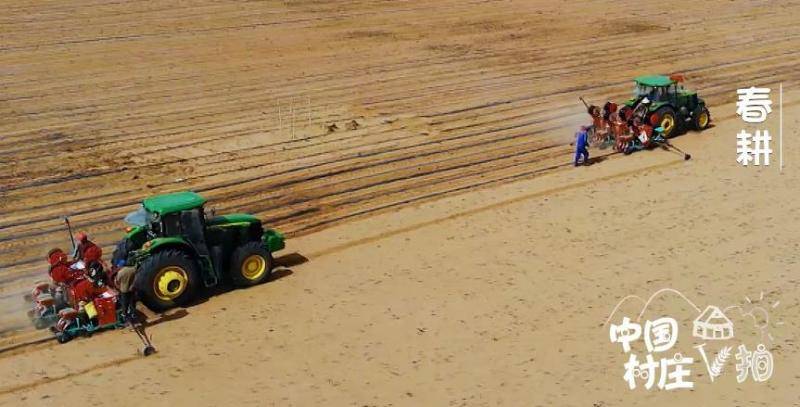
(642, 90)
(193, 224)
(154, 230)
(661, 94)
(154, 227)
(172, 224)
(671, 91)
(137, 217)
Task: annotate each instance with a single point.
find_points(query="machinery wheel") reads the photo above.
(702, 119)
(251, 264)
(668, 121)
(40, 323)
(167, 279)
(63, 337)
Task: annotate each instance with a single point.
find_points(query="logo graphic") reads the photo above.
(712, 325)
(668, 369)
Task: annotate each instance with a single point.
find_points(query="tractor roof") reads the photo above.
(654, 80)
(174, 202)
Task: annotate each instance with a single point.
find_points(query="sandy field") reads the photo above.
(442, 249)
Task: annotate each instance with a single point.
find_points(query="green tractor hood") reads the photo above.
(273, 240)
(231, 218)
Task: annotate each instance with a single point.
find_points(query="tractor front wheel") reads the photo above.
(667, 120)
(251, 264)
(167, 279)
(702, 119)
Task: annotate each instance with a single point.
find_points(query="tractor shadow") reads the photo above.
(291, 260)
(166, 317)
(692, 132)
(282, 270)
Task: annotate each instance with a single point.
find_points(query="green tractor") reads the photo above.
(663, 102)
(178, 249)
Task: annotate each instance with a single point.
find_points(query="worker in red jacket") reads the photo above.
(85, 291)
(86, 250)
(60, 270)
(95, 283)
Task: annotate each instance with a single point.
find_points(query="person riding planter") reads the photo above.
(85, 250)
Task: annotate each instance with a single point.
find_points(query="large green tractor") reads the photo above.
(177, 248)
(667, 104)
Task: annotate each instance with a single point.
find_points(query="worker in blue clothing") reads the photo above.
(581, 146)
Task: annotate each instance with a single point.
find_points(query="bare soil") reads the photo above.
(417, 155)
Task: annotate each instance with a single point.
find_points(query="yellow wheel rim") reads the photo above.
(170, 282)
(667, 123)
(703, 119)
(253, 267)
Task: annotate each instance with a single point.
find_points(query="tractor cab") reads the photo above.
(658, 89)
(178, 214)
(177, 246)
(663, 101)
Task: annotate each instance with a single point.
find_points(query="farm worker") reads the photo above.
(644, 134)
(86, 251)
(85, 290)
(124, 281)
(59, 270)
(96, 273)
(608, 109)
(641, 109)
(581, 144)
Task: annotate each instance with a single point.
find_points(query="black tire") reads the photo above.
(63, 337)
(259, 263)
(702, 118)
(666, 114)
(155, 267)
(40, 323)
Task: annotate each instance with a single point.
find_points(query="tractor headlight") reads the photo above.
(147, 244)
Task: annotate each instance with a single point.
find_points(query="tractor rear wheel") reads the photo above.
(667, 120)
(167, 279)
(702, 118)
(251, 264)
